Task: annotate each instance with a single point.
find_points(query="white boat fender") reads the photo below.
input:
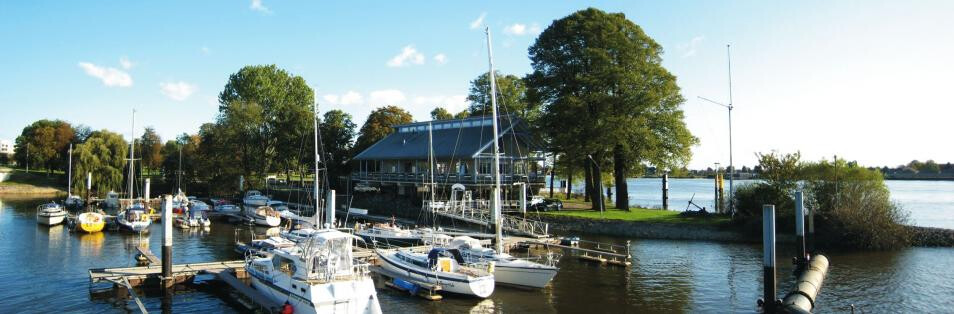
(490, 267)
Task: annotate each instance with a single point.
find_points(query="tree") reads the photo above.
(151, 148)
(463, 114)
(606, 94)
(380, 123)
(266, 112)
(337, 138)
(511, 97)
(44, 143)
(440, 113)
(104, 156)
(929, 167)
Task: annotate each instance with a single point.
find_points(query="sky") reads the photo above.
(863, 80)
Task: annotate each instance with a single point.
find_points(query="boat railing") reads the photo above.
(359, 270)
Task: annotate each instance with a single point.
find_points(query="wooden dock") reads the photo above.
(181, 272)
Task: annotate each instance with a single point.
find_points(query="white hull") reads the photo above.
(523, 276)
(357, 304)
(51, 220)
(268, 221)
(138, 226)
(481, 287)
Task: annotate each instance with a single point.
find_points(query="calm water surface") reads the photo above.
(45, 270)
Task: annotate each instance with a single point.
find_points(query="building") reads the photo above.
(463, 153)
(6, 147)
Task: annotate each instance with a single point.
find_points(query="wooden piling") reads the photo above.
(665, 191)
(167, 279)
(768, 262)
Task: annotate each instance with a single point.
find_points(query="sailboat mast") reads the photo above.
(69, 174)
(317, 160)
(430, 157)
(498, 233)
(132, 148)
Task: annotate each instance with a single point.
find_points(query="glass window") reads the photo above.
(465, 124)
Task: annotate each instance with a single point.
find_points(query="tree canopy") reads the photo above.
(337, 140)
(44, 143)
(440, 113)
(104, 156)
(380, 123)
(600, 73)
(511, 97)
(151, 146)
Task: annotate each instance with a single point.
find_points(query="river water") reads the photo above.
(45, 270)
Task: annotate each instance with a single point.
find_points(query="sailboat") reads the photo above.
(72, 202)
(136, 216)
(508, 270)
(91, 221)
(319, 274)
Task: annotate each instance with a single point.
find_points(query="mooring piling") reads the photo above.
(329, 209)
(807, 286)
(768, 262)
(167, 280)
(811, 230)
(665, 191)
(801, 256)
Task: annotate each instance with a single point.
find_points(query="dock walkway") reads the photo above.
(181, 272)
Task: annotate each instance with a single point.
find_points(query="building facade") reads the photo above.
(6, 147)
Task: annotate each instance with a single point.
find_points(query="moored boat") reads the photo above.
(90, 222)
(441, 266)
(134, 218)
(508, 270)
(50, 214)
(389, 235)
(255, 198)
(264, 216)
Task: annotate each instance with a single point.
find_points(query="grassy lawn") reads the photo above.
(642, 215)
(39, 179)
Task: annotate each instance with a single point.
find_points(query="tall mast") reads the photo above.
(728, 55)
(132, 148)
(317, 160)
(69, 174)
(430, 157)
(498, 233)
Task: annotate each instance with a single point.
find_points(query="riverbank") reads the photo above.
(646, 224)
(19, 182)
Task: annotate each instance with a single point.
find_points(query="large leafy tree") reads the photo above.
(104, 156)
(440, 113)
(380, 123)
(265, 112)
(511, 97)
(606, 95)
(44, 143)
(151, 148)
(337, 139)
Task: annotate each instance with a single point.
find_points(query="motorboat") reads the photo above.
(199, 214)
(182, 222)
(227, 209)
(441, 266)
(90, 222)
(278, 206)
(112, 200)
(134, 218)
(318, 275)
(262, 247)
(180, 203)
(508, 270)
(255, 198)
(264, 216)
(74, 202)
(389, 234)
(50, 214)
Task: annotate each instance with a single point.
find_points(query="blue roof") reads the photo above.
(452, 139)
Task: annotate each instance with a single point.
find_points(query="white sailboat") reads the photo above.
(50, 214)
(389, 235)
(255, 198)
(135, 217)
(443, 267)
(72, 202)
(508, 270)
(263, 216)
(319, 274)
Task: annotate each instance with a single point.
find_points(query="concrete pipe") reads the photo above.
(802, 299)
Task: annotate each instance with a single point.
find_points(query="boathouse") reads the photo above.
(462, 152)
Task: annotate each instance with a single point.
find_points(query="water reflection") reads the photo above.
(91, 244)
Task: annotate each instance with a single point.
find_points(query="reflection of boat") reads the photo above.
(255, 198)
(50, 214)
(507, 269)
(134, 218)
(390, 234)
(264, 216)
(90, 222)
(444, 267)
(316, 276)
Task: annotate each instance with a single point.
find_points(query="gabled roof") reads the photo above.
(458, 138)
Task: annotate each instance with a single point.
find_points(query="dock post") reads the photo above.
(167, 280)
(145, 194)
(89, 185)
(523, 199)
(665, 191)
(330, 209)
(811, 230)
(801, 258)
(768, 266)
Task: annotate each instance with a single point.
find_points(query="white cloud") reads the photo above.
(479, 21)
(258, 6)
(518, 29)
(205, 50)
(440, 58)
(331, 99)
(351, 98)
(126, 63)
(688, 49)
(387, 97)
(177, 91)
(408, 56)
(109, 76)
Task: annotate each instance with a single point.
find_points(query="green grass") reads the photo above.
(641, 215)
(37, 179)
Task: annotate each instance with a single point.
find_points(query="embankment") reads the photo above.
(647, 230)
(932, 237)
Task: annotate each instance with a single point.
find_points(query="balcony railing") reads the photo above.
(445, 178)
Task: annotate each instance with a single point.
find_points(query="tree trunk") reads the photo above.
(551, 181)
(597, 196)
(619, 171)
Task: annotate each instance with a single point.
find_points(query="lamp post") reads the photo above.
(599, 185)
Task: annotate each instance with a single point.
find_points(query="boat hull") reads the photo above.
(392, 241)
(90, 223)
(51, 219)
(267, 221)
(454, 283)
(530, 277)
(364, 301)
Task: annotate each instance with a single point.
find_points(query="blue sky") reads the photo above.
(865, 80)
